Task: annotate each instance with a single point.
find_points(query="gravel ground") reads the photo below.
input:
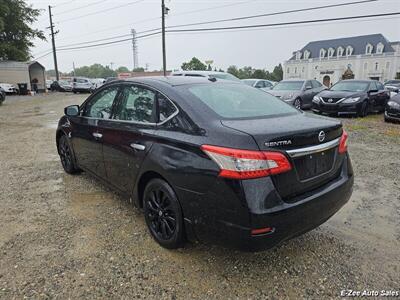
(68, 236)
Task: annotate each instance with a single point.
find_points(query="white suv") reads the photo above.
(208, 74)
(81, 85)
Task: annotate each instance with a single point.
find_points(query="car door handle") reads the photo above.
(97, 135)
(138, 147)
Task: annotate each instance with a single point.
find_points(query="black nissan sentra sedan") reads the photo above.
(392, 110)
(352, 97)
(210, 160)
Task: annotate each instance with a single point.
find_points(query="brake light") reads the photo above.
(247, 164)
(343, 142)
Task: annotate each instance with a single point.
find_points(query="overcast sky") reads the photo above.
(259, 48)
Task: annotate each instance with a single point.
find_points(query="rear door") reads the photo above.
(373, 94)
(308, 93)
(128, 137)
(86, 134)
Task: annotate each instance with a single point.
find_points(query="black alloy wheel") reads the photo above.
(163, 214)
(297, 103)
(364, 109)
(66, 156)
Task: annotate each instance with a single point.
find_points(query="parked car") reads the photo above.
(393, 85)
(61, 86)
(208, 74)
(109, 79)
(210, 160)
(48, 84)
(2, 95)
(392, 109)
(355, 97)
(260, 83)
(82, 85)
(297, 92)
(9, 88)
(97, 83)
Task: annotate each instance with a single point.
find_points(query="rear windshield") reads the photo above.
(288, 86)
(239, 101)
(350, 86)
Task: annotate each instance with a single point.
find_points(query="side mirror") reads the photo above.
(72, 110)
(308, 87)
(373, 91)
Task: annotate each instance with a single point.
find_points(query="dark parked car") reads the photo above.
(392, 110)
(61, 86)
(355, 97)
(210, 160)
(393, 85)
(2, 95)
(297, 92)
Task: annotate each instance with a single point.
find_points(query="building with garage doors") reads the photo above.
(16, 72)
(359, 57)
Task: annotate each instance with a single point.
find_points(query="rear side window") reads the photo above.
(239, 101)
(165, 108)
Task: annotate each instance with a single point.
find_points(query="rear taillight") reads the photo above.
(343, 142)
(246, 164)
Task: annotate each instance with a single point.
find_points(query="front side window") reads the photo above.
(100, 105)
(239, 101)
(136, 105)
(260, 84)
(165, 108)
(316, 84)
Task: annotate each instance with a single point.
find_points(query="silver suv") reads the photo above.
(81, 85)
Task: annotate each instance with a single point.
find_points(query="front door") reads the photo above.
(86, 134)
(128, 137)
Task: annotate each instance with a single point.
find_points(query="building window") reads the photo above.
(376, 66)
(302, 70)
(288, 70)
(387, 65)
(340, 51)
(349, 50)
(368, 49)
(306, 54)
(365, 66)
(295, 70)
(379, 48)
(331, 51)
(298, 55)
(322, 53)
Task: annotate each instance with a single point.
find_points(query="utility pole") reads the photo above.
(53, 43)
(73, 67)
(164, 11)
(134, 50)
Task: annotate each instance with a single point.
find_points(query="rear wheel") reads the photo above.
(163, 214)
(297, 103)
(66, 156)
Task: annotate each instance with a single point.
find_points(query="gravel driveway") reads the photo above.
(66, 236)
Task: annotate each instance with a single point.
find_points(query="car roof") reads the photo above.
(199, 72)
(172, 80)
(359, 80)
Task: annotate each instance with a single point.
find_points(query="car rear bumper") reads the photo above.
(286, 219)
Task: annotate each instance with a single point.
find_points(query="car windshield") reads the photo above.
(249, 82)
(239, 101)
(288, 86)
(350, 86)
(225, 76)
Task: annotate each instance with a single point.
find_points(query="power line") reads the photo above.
(226, 20)
(274, 13)
(284, 23)
(100, 11)
(61, 4)
(78, 8)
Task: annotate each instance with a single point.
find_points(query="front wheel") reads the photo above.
(364, 110)
(66, 157)
(297, 103)
(163, 214)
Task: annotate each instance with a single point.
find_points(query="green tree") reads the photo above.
(194, 64)
(95, 71)
(122, 69)
(140, 69)
(16, 34)
(277, 73)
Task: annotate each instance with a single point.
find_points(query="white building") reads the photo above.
(15, 72)
(368, 57)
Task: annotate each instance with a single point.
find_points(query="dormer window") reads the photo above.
(340, 51)
(298, 55)
(368, 49)
(322, 53)
(379, 48)
(349, 50)
(331, 51)
(306, 54)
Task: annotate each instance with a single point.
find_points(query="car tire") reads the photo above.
(66, 156)
(297, 103)
(363, 110)
(163, 214)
